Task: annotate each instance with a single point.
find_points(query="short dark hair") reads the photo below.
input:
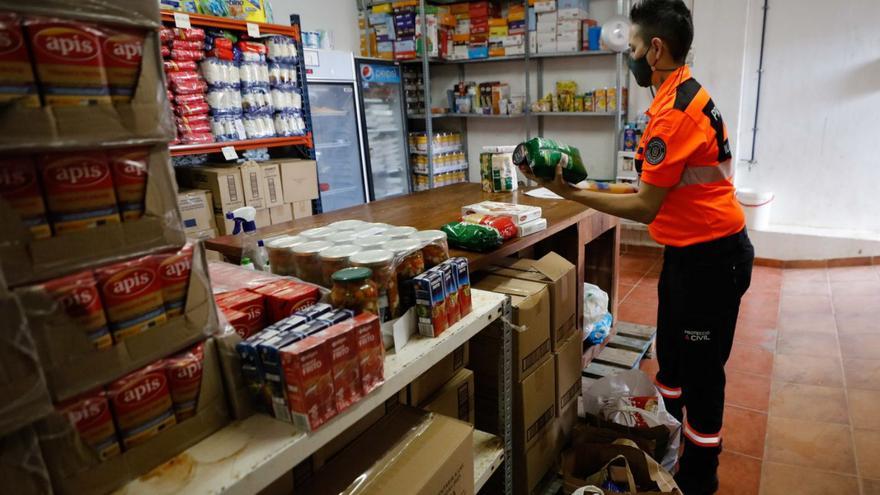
(669, 20)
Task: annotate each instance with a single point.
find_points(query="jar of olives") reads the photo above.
(409, 263)
(381, 262)
(353, 289)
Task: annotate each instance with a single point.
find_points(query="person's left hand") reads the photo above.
(558, 184)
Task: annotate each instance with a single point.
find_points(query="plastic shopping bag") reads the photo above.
(595, 304)
(630, 399)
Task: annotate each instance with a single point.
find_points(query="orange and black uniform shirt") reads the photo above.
(685, 148)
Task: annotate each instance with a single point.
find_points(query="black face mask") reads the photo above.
(641, 70)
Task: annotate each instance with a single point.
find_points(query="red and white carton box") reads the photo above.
(185, 380)
(129, 167)
(244, 310)
(132, 295)
(142, 404)
(122, 51)
(90, 414)
(78, 296)
(285, 297)
(308, 375)
(17, 81)
(20, 187)
(371, 350)
(68, 61)
(79, 190)
(342, 342)
(174, 271)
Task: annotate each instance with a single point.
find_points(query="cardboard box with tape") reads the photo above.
(531, 315)
(253, 184)
(280, 214)
(224, 183)
(559, 276)
(299, 179)
(272, 185)
(302, 209)
(196, 210)
(408, 451)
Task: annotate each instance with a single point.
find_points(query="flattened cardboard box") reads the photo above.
(568, 374)
(71, 363)
(76, 469)
(560, 277)
(22, 468)
(24, 397)
(126, 12)
(146, 119)
(406, 452)
(456, 398)
(24, 260)
(531, 314)
(432, 380)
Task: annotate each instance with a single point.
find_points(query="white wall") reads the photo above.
(817, 120)
(338, 16)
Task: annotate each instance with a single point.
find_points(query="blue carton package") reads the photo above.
(314, 311)
(337, 316)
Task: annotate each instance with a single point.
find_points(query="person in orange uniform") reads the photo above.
(686, 197)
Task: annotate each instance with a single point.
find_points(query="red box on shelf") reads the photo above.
(371, 350)
(285, 297)
(342, 343)
(308, 374)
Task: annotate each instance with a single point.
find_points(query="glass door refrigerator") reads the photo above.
(336, 127)
(380, 89)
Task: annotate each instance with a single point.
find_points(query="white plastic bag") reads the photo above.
(595, 304)
(607, 399)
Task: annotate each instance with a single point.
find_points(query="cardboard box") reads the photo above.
(456, 398)
(253, 184)
(302, 209)
(432, 380)
(25, 260)
(568, 46)
(281, 214)
(542, 6)
(196, 209)
(531, 310)
(544, 38)
(530, 469)
(299, 180)
(547, 47)
(23, 391)
(568, 373)
(558, 274)
(75, 468)
(568, 25)
(72, 365)
(575, 13)
(224, 183)
(263, 218)
(567, 419)
(224, 225)
(406, 452)
(274, 192)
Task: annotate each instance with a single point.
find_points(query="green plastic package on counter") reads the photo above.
(542, 155)
(472, 237)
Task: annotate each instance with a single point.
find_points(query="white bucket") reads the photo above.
(756, 206)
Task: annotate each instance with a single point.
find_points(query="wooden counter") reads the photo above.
(587, 238)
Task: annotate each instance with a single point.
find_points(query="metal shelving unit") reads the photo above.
(426, 63)
(250, 454)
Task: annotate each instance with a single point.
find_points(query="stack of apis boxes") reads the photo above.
(546, 362)
(280, 190)
(108, 361)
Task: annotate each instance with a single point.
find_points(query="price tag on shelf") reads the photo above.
(229, 152)
(253, 30)
(181, 20)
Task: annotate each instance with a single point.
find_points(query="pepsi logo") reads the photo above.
(367, 72)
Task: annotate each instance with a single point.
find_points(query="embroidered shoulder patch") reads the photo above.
(655, 151)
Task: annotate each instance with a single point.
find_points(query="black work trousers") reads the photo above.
(699, 296)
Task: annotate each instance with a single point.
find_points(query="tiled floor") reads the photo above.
(802, 412)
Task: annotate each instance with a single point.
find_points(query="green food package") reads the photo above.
(472, 237)
(542, 155)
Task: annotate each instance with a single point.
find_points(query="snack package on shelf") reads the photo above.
(104, 85)
(98, 440)
(98, 324)
(520, 214)
(70, 209)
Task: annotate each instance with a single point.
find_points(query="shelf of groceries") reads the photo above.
(248, 455)
(510, 58)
